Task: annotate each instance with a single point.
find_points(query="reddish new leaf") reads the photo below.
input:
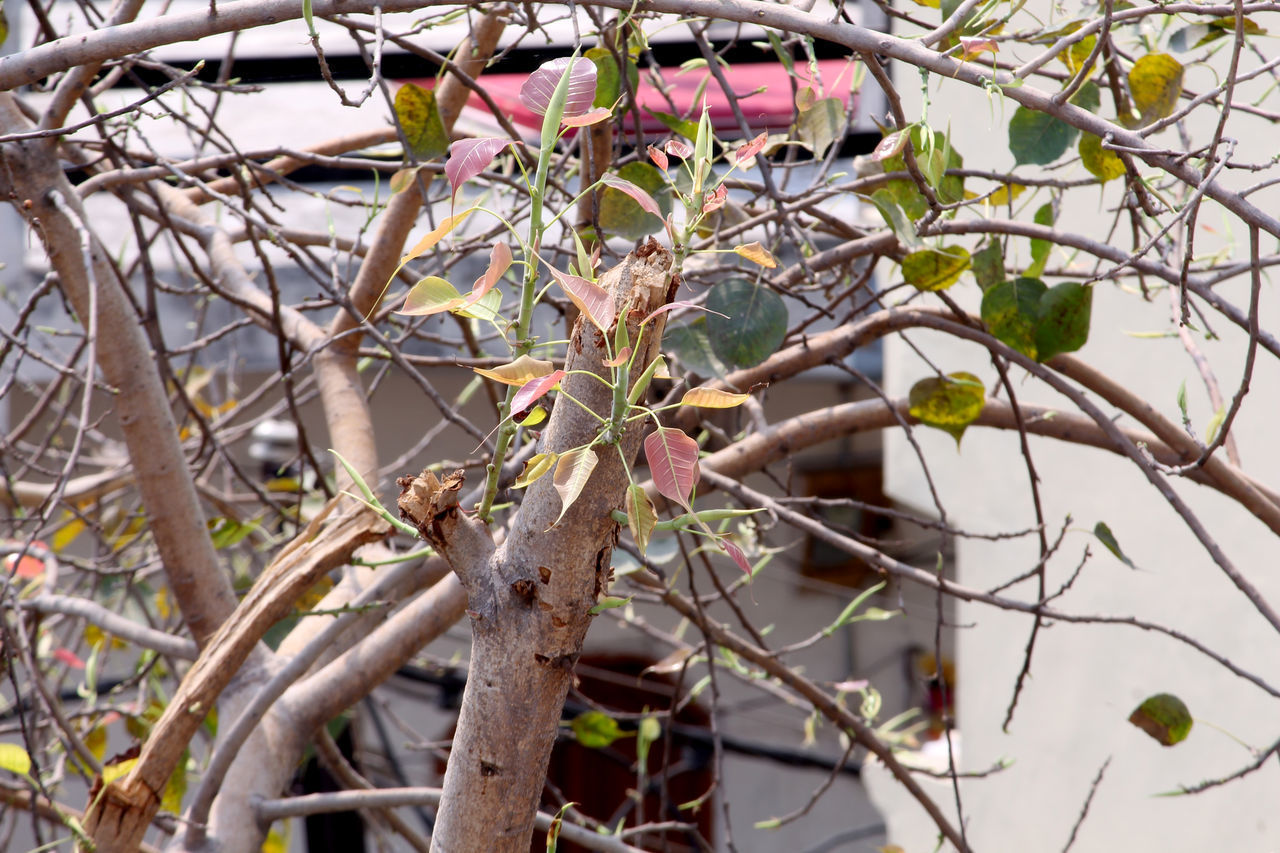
(641, 197)
(537, 90)
(470, 157)
(890, 146)
(572, 472)
(534, 389)
(594, 117)
(677, 148)
(499, 262)
(751, 149)
(736, 554)
(620, 359)
(591, 299)
(659, 159)
(68, 657)
(673, 461)
(715, 199)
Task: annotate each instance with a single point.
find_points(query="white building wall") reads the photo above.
(1087, 679)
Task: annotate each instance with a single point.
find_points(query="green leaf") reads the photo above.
(935, 269)
(847, 614)
(683, 126)
(950, 402)
(420, 120)
(935, 155)
(595, 730)
(1038, 138)
(431, 295)
(1088, 97)
(988, 264)
(608, 80)
(1038, 321)
(1045, 215)
(1101, 163)
(1163, 716)
(641, 516)
(1063, 325)
(821, 125)
(609, 602)
(691, 345)
(622, 216)
(1155, 82)
(15, 759)
(1010, 310)
(895, 216)
(753, 325)
(1108, 540)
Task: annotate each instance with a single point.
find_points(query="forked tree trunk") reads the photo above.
(529, 600)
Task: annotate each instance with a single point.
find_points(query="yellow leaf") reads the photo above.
(1101, 163)
(1155, 81)
(712, 398)
(1006, 193)
(14, 759)
(517, 372)
(572, 471)
(537, 416)
(277, 842)
(535, 468)
(96, 741)
(161, 601)
(67, 533)
(757, 254)
(446, 225)
(112, 772)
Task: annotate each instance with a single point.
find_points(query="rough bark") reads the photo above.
(530, 599)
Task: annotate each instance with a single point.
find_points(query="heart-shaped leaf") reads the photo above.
(572, 471)
(431, 295)
(658, 157)
(590, 298)
(1102, 164)
(1038, 138)
(533, 390)
(950, 402)
(420, 120)
(470, 157)
(541, 85)
(935, 269)
(749, 324)
(518, 372)
(673, 462)
(1155, 81)
(1039, 321)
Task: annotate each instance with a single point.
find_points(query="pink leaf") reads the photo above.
(751, 149)
(890, 146)
(620, 359)
(571, 474)
(974, 45)
(534, 389)
(537, 90)
(499, 263)
(673, 462)
(641, 197)
(470, 157)
(736, 553)
(716, 199)
(677, 148)
(69, 658)
(659, 159)
(591, 299)
(671, 305)
(594, 117)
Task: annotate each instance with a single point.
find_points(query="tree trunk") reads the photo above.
(530, 599)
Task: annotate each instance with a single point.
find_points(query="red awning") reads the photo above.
(764, 92)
